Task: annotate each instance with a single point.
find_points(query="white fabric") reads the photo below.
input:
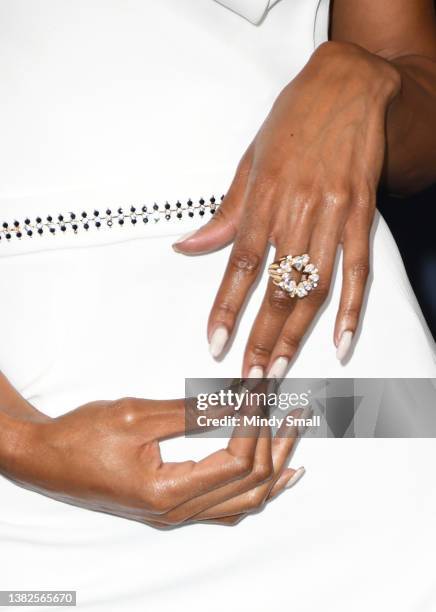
(253, 10)
(116, 102)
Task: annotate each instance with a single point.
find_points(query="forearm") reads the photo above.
(411, 127)
(403, 34)
(16, 419)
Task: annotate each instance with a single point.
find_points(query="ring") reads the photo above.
(281, 273)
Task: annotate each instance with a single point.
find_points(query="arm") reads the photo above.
(402, 32)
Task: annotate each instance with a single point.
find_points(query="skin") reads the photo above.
(105, 456)
(361, 114)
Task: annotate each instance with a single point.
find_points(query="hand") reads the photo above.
(306, 184)
(105, 456)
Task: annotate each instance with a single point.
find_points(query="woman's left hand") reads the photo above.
(306, 184)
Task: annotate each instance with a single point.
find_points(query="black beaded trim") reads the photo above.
(85, 221)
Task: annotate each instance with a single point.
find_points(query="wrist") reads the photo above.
(17, 444)
(374, 75)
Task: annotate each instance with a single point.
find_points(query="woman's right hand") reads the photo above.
(105, 456)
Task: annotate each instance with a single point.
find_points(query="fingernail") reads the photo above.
(218, 341)
(344, 345)
(278, 368)
(296, 477)
(183, 238)
(255, 372)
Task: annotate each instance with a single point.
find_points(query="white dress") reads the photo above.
(130, 103)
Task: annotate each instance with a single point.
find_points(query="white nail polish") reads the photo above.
(344, 345)
(218, 341)
(255, 372)
(296, 477)
(278, 368)
(185, 237)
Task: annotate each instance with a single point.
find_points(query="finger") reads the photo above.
(254, 499)
(176, 483)
(355, 270)
(287, 480)
(322, 249)
(262, 471)
(242, 271)
(164, 419)
(275, 309)
(222, 227)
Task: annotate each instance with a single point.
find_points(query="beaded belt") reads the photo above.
(96, 220)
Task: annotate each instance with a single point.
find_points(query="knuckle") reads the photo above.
(278, 301)
(351, 312)
(359, 270)
(225, 310)
(339, 198)
(262, 472)
(245, 260)
(243, 465)
(256, 500)
(319, 295)
(305, 198)
(126, 408)
(259, 350)
(290, 341)
(154, 498)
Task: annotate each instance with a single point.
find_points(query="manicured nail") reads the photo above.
(344, 345)
(278, 368)
(183, 238)
(218, 341)
(255, 372)
(296, 477)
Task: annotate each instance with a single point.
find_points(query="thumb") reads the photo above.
(216, 233)
(222, 227)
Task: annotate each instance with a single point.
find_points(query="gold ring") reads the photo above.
(281, 273)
